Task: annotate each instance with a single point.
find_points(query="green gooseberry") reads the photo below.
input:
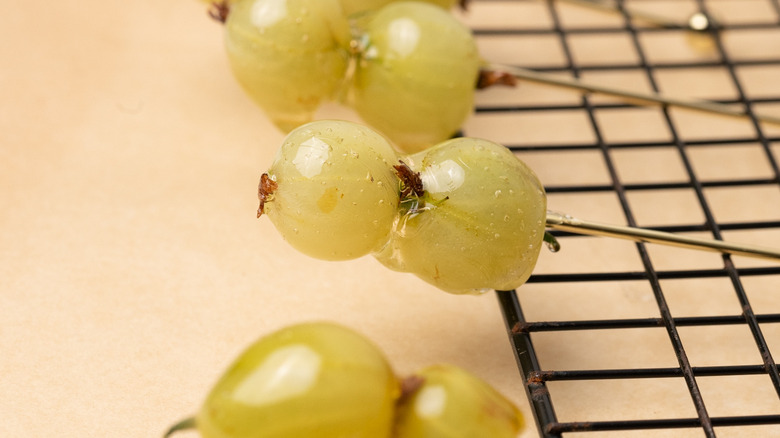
(309, 380)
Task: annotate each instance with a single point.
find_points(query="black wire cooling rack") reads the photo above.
(672, 363)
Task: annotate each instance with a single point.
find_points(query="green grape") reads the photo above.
(476, 223)
(416, 73)
(452, 403)
(288, 55)
(308, 380)
(331, 190)
(351, 7)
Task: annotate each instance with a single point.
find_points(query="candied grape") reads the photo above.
(331, 190)
(288, 55)
(479, 224)
(351, 7)
(452, 403)
(309, 380)
(416, 73)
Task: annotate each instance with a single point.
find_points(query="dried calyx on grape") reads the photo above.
(411, 182)
(320, 379)
(465, 215)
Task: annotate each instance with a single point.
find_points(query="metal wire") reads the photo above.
(558, 221)
(521, 330)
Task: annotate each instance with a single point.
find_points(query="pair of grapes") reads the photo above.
(408, 69)
(465, 215)
(323, 380)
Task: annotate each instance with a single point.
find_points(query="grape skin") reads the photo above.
(288, 55)
(453, 403)
(337, 194)
(480, 224)
(416, 74)
(309, 380)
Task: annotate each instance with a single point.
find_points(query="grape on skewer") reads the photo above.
(466, 215)
(288, 55)
(407, 68)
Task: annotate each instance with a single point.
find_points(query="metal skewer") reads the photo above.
(697, 22)
(654, 98)
(563, 222)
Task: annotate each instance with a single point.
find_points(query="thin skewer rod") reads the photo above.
(653, 98)
(696, 22)
(563, 222)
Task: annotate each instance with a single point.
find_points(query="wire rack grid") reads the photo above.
(630, 339)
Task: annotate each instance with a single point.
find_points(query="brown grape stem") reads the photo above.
(219, 10)
(410, 385)
(265, 191)
(488, 78)
(185, 424)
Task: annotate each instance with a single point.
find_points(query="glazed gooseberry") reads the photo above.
(309, 380)
(416, 73)
(331, 191)
(450, 402)
(477, 224)
(288, 55)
